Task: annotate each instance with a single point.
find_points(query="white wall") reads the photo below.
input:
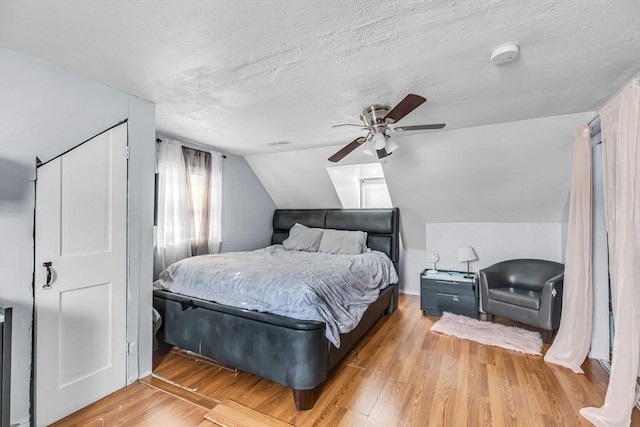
(412, 262)
(493, 242)
(141, 183)
(516, 172)
(247, 209)
(45, 111)
(299, 179)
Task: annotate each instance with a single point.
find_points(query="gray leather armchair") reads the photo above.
(528, 291)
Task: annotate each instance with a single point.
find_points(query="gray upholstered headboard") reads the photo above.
(382, 225)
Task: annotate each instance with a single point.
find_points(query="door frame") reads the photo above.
(140, 118)
(131, 375)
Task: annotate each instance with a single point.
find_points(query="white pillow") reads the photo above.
(303, 238)
(343, 242)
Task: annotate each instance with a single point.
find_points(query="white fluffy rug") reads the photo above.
(509, 337)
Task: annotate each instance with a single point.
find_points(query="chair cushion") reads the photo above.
(516, 296)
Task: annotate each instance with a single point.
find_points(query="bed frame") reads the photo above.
(294, 353)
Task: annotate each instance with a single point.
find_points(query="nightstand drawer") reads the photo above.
(449, 287)
(435, 303)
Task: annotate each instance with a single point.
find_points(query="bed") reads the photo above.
(294, 353)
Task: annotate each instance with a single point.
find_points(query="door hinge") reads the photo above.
(128, 348)
(127, 151)
(128, 267)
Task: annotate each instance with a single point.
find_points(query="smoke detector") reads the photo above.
(505, 53)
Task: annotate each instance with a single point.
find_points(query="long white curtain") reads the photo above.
(573, 340)
(620, 121)
(215, 221)
(173, 232)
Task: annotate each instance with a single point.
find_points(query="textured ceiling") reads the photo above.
(238, 75)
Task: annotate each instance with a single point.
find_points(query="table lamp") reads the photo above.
(466, 253)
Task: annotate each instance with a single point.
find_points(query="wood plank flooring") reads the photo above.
(137, 405)
(400, 374)
(231, 414)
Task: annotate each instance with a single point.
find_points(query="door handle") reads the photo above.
(47, 265)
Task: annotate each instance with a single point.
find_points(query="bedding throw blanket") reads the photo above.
(335, 289)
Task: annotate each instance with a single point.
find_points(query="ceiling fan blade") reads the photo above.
(417, 127)
(382, 153)
(346, 149)
(407, 105)
(349, 124)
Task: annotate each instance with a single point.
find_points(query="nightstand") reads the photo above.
(447, 290)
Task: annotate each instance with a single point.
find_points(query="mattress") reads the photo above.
(335, 289)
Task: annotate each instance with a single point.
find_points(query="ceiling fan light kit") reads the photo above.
(391, 146)
(368, 148)
(379, 140)
(377, 120)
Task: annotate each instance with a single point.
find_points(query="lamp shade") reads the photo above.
(368, 148)
(379, 140)
(466, 253)
(391, 146)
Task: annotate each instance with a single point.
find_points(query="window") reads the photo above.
(374, 193)
(360, 186)
(188, 203)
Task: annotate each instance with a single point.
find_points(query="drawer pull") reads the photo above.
(453, 296)
(447, 282)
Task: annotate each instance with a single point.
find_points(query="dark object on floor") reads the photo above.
(157, 322)
(528, 291)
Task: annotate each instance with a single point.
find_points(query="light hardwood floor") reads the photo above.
(403, 375)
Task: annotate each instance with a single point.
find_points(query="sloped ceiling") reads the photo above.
(511, 172)
(237, 75)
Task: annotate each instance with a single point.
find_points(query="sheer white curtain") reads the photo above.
(571, 345)
(620, 122)
(173, 232)
(215, 212)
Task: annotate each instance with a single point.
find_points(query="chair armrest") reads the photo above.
(551, 285)
(489, 278)
(551, 302)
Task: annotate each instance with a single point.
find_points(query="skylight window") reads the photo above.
(374, 193)
(360, 186)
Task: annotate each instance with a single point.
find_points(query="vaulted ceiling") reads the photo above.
(238, 74)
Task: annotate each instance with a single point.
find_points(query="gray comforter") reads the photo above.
(335, 289)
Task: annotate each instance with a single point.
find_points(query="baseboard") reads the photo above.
(407, 292)
(598, 355)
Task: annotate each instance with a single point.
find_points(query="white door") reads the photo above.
(81, 229)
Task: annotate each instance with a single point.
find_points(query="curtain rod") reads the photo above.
(595, 122)
(595, 130)
(158, 140)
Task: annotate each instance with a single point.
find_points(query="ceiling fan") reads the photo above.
(377, 120)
